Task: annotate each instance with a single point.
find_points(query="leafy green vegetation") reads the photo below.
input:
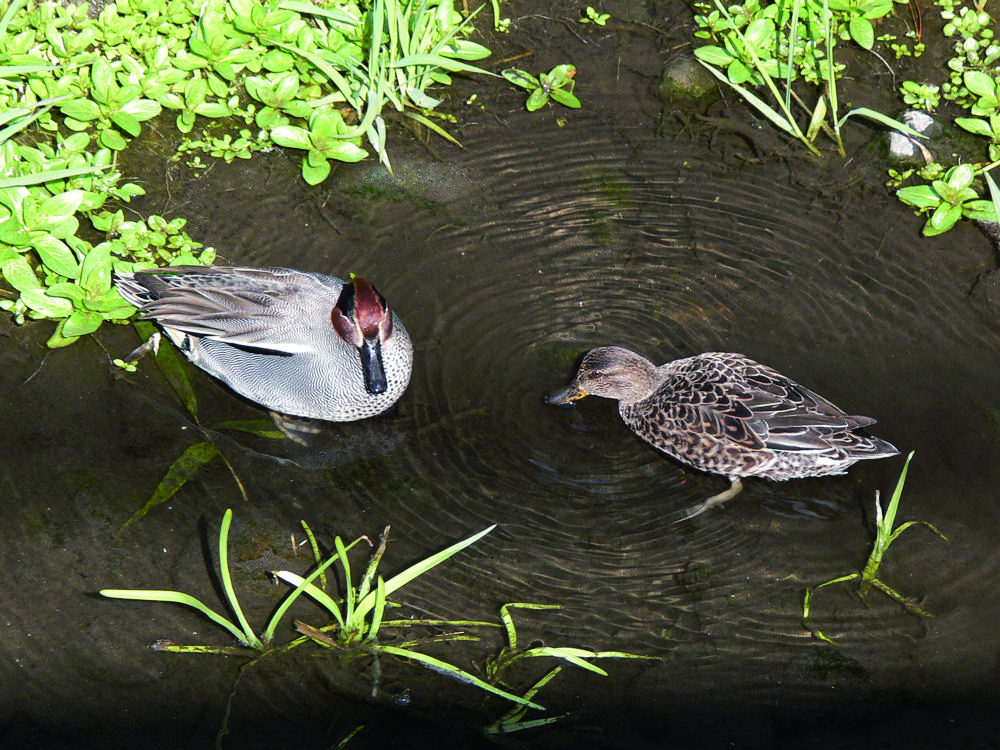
(557, 84)
(590, 15)
(867, 579)
(756, 44)
(75, 89)
(496, 664)
(955, 191)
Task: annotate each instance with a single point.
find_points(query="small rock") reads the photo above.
(686, 80)
(906, 151)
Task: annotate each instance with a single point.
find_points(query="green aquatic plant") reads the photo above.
(80, 87)
(953, 191)
(360, 625)
(868, 579)
(757, 44)
(173, 367)
(952, 197)
(510, 654)
(590, 15)
(557, 84)
(358, 616)
(924, 96)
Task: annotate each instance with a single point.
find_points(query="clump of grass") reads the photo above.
(513, 720)
(868, 579)
(358, 616)
(359, 622)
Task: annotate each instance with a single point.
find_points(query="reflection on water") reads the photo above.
(506, 270)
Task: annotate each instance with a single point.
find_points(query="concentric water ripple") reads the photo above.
(506, 269)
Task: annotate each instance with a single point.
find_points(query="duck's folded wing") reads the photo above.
(772, 413)
(239, 317)
(691, 406)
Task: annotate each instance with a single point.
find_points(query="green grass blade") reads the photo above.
(349, 592)
(831, 74)
(440, 61)
(839, 579)
(378, 610)
(40, 178)
(176, 597)
(26, 119)
(430, 621)
(334, 14)
(884, 119)
(369, 576)
(317, 557)
(418, 569)
(9, 14)
(994, 192)
(432, 126)
(454, 672)
(759, 104)
(575, 656)
(305, 584)
(227, 580)
(890, 514)
(180, 471)
(508, 619)
(793, 35)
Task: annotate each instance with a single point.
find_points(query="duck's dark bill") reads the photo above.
(371, 365)
(565, 396)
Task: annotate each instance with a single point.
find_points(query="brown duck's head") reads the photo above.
(611, 372)
(363, 319)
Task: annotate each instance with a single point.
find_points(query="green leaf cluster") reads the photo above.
(953, 192)
(760, 44)
(309, 77)
(557, 84)
(949, 199)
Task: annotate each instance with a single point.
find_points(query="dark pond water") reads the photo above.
(507, 260)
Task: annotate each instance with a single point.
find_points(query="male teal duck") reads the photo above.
(726, 414)
(300, 343)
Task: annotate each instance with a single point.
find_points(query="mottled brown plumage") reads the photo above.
(726, 414)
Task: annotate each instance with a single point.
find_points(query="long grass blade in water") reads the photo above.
(180, 472)
(349, 591)
(454, 672)
(227, 580)
(418, 569)
(177, 597)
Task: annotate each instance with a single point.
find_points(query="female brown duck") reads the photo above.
(726, 414)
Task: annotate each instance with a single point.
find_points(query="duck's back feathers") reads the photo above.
(725, 413)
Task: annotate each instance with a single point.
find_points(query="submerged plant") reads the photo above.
(174, 369)
(557, 84)
(358, 616)
(867, 579)
(496, 664)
